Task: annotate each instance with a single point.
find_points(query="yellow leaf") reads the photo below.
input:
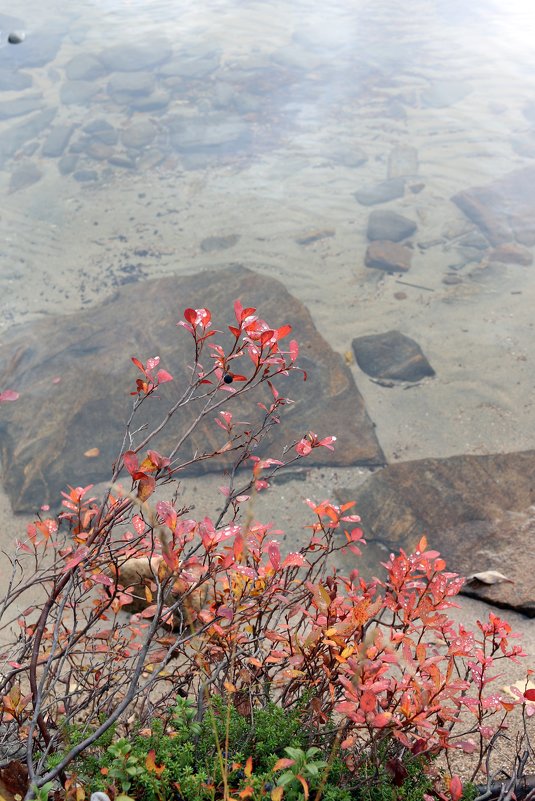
(276, 793)
(92, 453)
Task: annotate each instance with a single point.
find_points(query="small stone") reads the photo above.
(381, 192)
(84, 176)
(16, 37)
(450, 280)
(388, 225)
(212, 243)
(67, 163)
(138, 134)
(400, 295)
(99, 151)
(388, 256)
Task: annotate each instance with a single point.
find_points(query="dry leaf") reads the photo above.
(92, 453)
(488, 577)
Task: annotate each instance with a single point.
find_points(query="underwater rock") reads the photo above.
(23, 176)
(381, 192)
(20, 106)
(391, 355)
(390, 226)
(389, 256)
(43, 437)
(15, 137)
(138, 134)
(476, 510)
(77, 92)
(504, 210)
(132, 58)
(57, 140)
(84, 67)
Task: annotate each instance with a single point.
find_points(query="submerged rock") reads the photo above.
(504, 210)
(43, 437)
(20, 106)
(391, 355)
(381, 192)
(474, 509)
(390, 226)
(389, 256)
(23, 176)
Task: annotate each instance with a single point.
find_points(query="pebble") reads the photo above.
(16, 37)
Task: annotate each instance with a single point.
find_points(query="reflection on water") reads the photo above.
(138, 139)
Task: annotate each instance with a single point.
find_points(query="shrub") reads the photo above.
(280, 655)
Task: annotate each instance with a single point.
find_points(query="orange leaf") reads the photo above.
(146, 487)
(151, 765)
(248, 769)
(283, 763)
(305, 785)
(276, 794)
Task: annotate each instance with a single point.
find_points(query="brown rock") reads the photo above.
(474, 509)
(510, 253)
(388, 256)
(43, 437)
(505, 209)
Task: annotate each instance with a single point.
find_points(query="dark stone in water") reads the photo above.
(391, 355)
(57, 140)
(388, 225)
(16, 37)
(154, 102)
(476, 510)
(389, 256)
(20, 106)
(44, 435)
(16, 137)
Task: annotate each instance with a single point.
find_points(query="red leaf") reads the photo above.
(146, 487)
(79, 556)
(368, 701)
(294, 350)
(529, 695)
(130, 461)
(163, 376)
(190, 315)
(274, 554)
(456, 788)
(138, 364)
(8, 395)
(282, 764)
(283, 331)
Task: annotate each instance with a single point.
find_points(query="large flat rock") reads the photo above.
(504, 210)
(474, 509)
(43, 437)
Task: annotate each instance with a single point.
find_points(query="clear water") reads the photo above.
(244, 138)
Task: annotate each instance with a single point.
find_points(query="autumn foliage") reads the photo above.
(225, 612)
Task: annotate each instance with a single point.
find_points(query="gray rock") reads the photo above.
(24, 176)
(125, 86)
(67, 163)
(191, 66)
(77, 92)
(15, 138)
(99, 151)
(20, 106)
(11, 81)
(123, 162)
(391, 355)
(155, 102)
(88, 347)
(57, 140)
(476, 510)
(403, 162)
(212, 132)
(381, 192)
(84, 67)
(442, 94)
(504, 210)
(388, 225)
(85, 176)
(131, 58)
(389, 256)
(101, 130)
(213, 243)
(349, 155)
(138, 134)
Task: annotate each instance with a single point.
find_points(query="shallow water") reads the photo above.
(244, 139)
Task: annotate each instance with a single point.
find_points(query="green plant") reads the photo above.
(124, 766)
(302, 771)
